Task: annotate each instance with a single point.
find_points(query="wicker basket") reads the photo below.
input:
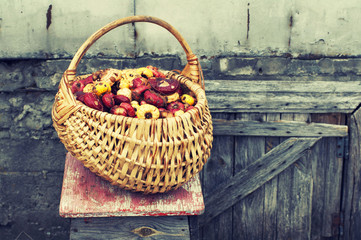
(143, 155)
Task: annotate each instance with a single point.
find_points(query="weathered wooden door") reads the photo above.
(279, 173)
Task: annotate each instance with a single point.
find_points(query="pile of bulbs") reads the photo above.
(143, 93)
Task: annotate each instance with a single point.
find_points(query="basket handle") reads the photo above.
(65, 104)
(192, 70)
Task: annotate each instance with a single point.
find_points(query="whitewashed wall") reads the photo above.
(212, 28)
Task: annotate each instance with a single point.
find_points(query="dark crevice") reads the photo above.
(248, 21)
(290, 25)
(356, 109)
(48, 16)
(291, 21)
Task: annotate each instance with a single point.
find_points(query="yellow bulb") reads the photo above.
(124, 84)
(125, 92)
(188, 99)
(173, 97)
(145, 71)
(88, 88)
(147, 111)
(101, 87)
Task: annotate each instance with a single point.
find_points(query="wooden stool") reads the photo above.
(100, 210)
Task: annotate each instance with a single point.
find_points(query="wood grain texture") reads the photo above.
(330, 118)
(270, 207)
(294, 195)
(332, 184)
(127, 228)
(283, 96)
(247, 211)
(286, 86)
(219, 169)
(254, 176)
(86, 195)
(194, 231)
(277, 128)
(327, 173)
(352, 181)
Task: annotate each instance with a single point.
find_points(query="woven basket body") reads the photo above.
(143, 155)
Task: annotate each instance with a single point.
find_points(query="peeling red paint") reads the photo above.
(86, 195)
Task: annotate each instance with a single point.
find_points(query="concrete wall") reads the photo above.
(55, 29)
(284, 39)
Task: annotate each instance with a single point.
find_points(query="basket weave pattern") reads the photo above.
(143, 155)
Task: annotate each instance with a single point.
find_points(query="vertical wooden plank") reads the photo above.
(247, 214)
(270, 191)
(332, 185)
(302, 198)
(218, 169)
(284, 197)
(318, 160)
(352, 181)
(302, 216)
(194, 232)
(327, 178)
(294, 196)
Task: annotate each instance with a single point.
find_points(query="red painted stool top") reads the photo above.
(85, 194)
